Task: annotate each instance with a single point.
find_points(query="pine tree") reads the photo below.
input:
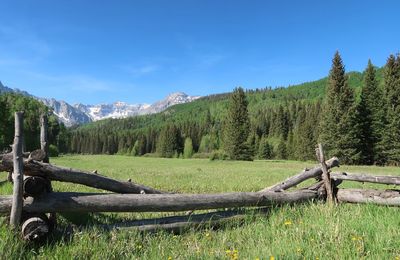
(188, 148)
(205, 144)
(390, 144)
(306, 132)
(168, 142)
(281, 125)
(290, 147)
(370, 110)
(281, 150)
(265, 149)
(135, 149)
(338, 128)
(237, 127)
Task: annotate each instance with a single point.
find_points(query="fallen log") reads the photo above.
(380, 197)
(395, 180)
(35, 228)
(304, 175)
(95, 202)
(34, 186)
(177, 224)
(179, 227)
(57, 173)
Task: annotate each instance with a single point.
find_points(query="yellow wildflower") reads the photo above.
(271, 257)
(287, 223)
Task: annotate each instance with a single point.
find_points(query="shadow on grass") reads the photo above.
(180, 224)
(88, 219)
(216, 220)
(95, 222)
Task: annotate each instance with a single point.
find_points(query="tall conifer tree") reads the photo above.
(390, 144)
(338, 126)
(370, 111)
(237, 127)
(168, 141)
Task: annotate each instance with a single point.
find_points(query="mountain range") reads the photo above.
(78, 114)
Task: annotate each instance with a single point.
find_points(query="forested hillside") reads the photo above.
(12, 102)
(285, 123)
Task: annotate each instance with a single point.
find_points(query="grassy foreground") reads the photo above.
(311, 231)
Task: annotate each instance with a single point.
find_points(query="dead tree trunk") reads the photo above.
(395, 180)
(18, 174)
(35, 228)
(86, 202)
(34, 186)
(177, 224)
(179, 227)
(325, 174)
(44, 147)
(380, 197)
(44, 142)
(304, 175)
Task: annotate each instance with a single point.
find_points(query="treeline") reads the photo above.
(12, 102)
(356, 116)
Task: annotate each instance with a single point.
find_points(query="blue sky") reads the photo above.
(140, 51)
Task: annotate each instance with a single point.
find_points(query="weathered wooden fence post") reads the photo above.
(325, 174)
(18, 175)
(44, 143)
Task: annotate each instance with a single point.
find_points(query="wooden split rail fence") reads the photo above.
(33, 205)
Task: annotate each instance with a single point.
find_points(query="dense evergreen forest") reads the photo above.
(10, 103)
(355, 115)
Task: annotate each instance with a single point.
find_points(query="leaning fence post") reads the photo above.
(325, 174)
(44, 143)
(44, 146)
(18, 175)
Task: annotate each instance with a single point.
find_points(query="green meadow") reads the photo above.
(307, 231)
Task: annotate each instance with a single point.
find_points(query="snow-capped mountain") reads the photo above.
(66, 113)
(114, 110)
(123, 110)
(170, 100)
(78, 114)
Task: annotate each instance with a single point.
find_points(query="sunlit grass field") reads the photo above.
(309, 231)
